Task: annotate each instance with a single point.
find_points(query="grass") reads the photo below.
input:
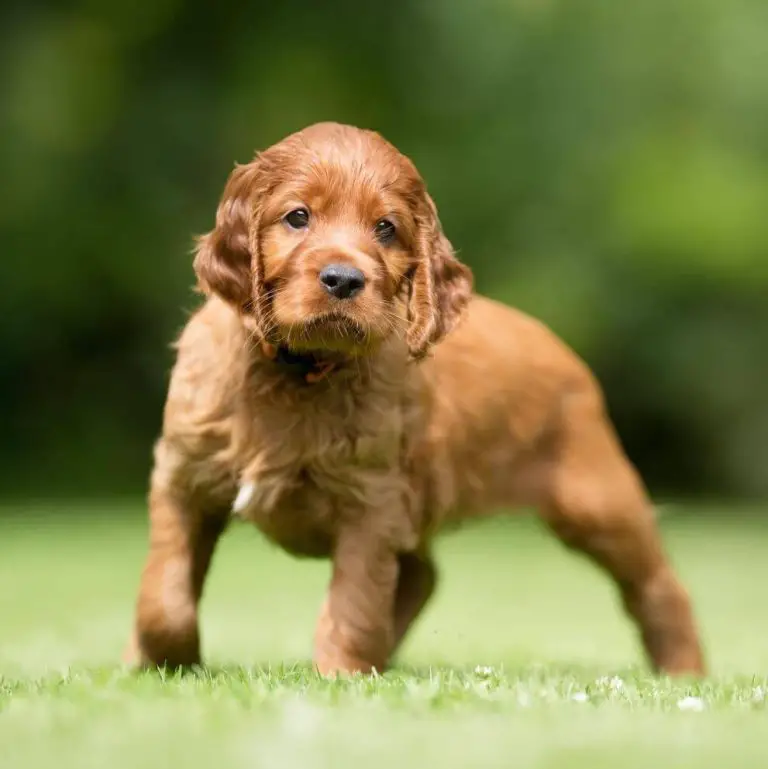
(524, 660)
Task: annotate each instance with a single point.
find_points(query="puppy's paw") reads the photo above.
(172, 657)
(337, 664)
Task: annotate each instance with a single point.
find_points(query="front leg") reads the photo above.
(356, 632)
(182, 541)
(416, 583)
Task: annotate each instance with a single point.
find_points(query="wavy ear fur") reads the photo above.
(441, 286)
(227, 261)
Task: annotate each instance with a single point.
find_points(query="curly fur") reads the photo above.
(441, 406)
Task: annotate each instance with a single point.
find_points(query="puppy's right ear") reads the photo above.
(223, 257)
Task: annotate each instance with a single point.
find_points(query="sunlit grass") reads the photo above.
(524, 659)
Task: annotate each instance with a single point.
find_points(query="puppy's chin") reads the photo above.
(334, 333)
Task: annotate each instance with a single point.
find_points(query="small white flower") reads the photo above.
(616, 683)
(580, 697)
(758, 694)
(695, 704)
(483, 670)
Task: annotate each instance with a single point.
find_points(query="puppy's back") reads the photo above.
(497, 384)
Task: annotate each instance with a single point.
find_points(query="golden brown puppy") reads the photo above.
(319, 392)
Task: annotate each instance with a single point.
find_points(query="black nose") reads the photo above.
(342, 281)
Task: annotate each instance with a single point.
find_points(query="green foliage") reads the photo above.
(602, 165)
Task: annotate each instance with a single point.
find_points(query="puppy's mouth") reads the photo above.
(331, 331)
(336, 322)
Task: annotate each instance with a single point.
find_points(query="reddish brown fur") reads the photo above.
(368, 464)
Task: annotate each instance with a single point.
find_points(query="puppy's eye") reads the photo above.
(384, 231)
(297, 219)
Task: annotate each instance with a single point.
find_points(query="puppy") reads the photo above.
(345, 391)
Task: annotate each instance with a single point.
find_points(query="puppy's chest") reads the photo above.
(305, 475)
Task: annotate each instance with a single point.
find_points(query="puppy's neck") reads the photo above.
(310, 367)
(385, 366)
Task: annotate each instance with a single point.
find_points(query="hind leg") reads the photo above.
(596, 504)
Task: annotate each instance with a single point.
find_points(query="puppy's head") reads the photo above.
(328, 241)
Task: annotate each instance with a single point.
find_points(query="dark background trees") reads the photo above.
(601, 165)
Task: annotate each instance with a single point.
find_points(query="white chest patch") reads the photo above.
(244, 496)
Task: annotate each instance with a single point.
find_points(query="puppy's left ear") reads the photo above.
(441, 286)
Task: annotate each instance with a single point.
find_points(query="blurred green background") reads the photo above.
(600, 164)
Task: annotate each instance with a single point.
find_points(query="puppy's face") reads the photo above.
(337, 236)
(329, 242)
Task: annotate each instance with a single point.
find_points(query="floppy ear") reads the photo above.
(441, 286)
(227, 261)
(223, 258)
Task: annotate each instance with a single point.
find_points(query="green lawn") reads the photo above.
(524, 659)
